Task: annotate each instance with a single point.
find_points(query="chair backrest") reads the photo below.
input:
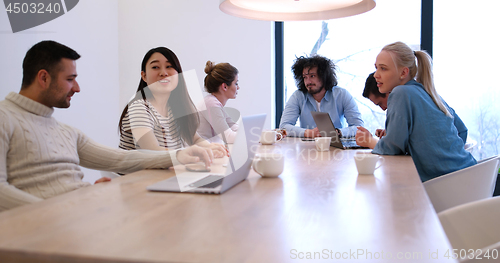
(473, 227)
(109, 174)
(469, 184)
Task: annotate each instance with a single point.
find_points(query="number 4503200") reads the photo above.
(33, 8)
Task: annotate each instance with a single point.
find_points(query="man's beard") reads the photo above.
(312, 91)
(53, 95)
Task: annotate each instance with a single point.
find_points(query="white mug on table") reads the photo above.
(323, 143)
(269, 164)
(366, 162)
(270, 137)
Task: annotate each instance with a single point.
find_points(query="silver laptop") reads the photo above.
(326, 128)
(237, 169)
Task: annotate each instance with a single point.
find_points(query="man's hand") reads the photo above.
(380, 133)
(312, 133)
(195, 154)
(102, 179)
(365, 139)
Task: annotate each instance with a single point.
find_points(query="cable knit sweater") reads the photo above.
(40, 157)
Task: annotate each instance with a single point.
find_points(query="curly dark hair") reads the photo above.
(326, 71)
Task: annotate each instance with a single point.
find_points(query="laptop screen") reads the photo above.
(246, 142)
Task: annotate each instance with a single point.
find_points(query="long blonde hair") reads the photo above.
(404, 56)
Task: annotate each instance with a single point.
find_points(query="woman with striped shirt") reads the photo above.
(162, 116)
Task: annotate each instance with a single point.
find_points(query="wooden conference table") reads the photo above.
(319, 208)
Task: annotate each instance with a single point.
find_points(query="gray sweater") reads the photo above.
(41, 157)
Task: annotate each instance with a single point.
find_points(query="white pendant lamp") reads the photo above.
(295, 10)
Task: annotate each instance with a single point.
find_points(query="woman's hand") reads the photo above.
(102, 179)
(365, 139)
(195, 153)
(219, 150)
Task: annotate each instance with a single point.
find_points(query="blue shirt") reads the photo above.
(416, 126)
(338, 102)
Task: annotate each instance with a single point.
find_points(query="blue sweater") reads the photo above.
(416, 126)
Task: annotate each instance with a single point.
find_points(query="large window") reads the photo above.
(466, 55)
(353, 44)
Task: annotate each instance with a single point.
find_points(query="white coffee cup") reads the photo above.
(366, 162)
(270, 137)
(323, 143)
(269, 164)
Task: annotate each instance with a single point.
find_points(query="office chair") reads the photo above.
(469, 184)
(473, 227)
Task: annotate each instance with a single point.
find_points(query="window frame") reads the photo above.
(426, 38)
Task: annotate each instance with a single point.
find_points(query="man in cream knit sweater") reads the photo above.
(39, 156)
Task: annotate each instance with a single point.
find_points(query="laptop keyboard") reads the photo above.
(349, 143)
(210, 181)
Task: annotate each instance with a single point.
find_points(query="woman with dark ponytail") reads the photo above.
(161, 116)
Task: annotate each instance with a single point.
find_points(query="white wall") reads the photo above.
(112, 36)
(197, 31)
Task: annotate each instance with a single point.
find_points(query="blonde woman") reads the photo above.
(222, 84)
(418, 122)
